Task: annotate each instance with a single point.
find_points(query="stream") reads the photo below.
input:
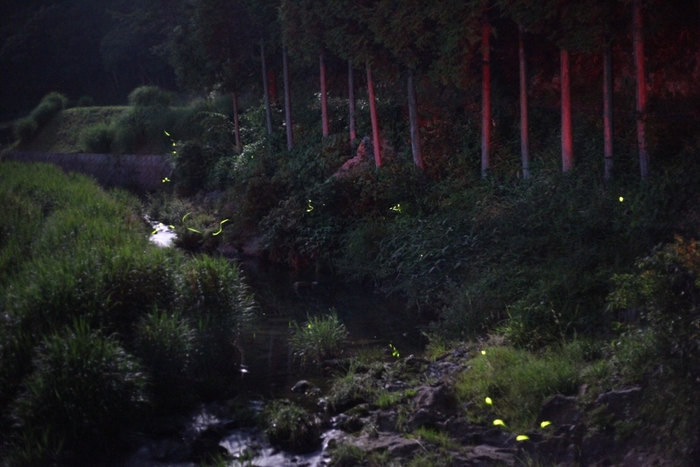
(269, 370)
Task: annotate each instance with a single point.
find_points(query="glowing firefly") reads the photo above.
(522, 437)
(220, 227)
(545, 424)
(488, 401)
(498, 422)
(621, 199)
(309, 207)
(483, 352)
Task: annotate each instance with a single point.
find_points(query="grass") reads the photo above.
(82, 289)
(318, 339)
(517, 382)
(436, 437)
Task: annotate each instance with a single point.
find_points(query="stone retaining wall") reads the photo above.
(136, 173)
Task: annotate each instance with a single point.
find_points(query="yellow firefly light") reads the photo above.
(488, 401)
(621, 199)
(498, 422)
(545, 424)
(309, 207)
(522, 437)
(221, 224)
(483, 352)
(166, 133)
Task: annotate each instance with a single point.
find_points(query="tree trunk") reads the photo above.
(324, 96)
(268, 110)
(641, 100)
(287, 100)
(236, 123)
(524, 127)
(485, 100)
(608, 109)
(351, 104)
(373, 115)
(413, 119)
(567, 141)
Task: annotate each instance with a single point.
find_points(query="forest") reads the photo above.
(520, 175)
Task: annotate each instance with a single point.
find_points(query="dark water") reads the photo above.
(372, 321)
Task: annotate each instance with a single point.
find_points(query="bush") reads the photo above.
(85, 390)
(149, 96)
(25, 129)
(49, 106)
(664, 355)
(318, 339)
(290, 427)
(98, 138)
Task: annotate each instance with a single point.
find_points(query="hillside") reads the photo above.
(62, 132)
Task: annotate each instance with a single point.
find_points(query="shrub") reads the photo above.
(49, 106)
(84, 391)
(664, 355)
(149, 96)
(25, 129)
(291, 427)
(98, 138)
(318, 339)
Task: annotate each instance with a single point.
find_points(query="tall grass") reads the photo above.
(318, 339)
(517, 382)
(80, 280)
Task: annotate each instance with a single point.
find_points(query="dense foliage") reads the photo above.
(100, 329)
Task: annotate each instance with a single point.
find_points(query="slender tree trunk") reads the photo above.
(413, 119)
(524, 127)
(641, 100)
(567, 140)
(287, 100)
(272, 80)
(236, 123)
(485, 100)
(373, 115)
(268, 110)
(351, 104)
(608, 109)
(324, 96)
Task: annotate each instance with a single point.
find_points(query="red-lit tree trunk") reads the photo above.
(236, 123)
(608, 109)
(272, 80)
(287, 100)
(351, 104)
(641, 100)
(567, 141)
(485, 100)
(324, 96)
(373, 115)
(266, 92)
(524, 126)
(413, 120)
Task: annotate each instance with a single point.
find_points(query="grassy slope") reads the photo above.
(62, 133)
